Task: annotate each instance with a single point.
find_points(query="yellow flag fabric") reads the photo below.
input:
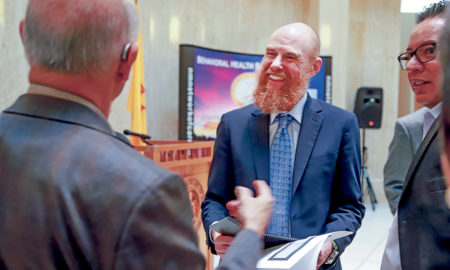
(136, 97)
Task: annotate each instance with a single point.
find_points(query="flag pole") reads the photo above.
(136, 98)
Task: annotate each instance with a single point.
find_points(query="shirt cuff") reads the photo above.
(211, 239)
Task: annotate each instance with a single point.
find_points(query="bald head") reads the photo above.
(300, 34)
(291, 60)
(77, 36)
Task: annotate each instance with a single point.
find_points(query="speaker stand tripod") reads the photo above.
(365, 173)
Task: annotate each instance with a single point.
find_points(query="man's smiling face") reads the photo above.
(425, 78)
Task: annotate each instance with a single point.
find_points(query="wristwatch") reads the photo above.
(333, 255)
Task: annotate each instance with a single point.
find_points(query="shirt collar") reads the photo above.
(296, 112)
(53, 92)
(436, 110)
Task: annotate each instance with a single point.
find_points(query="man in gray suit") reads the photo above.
(407, 138)
(74, 196)
(420, 233)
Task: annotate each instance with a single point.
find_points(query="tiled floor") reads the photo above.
(366, 250)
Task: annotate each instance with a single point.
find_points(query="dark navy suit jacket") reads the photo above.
(326, 193)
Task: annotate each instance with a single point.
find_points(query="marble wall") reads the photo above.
(362, 36)
(372, 61)
(13, 65)
(364, 39)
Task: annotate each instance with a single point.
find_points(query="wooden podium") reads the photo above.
(191, 160)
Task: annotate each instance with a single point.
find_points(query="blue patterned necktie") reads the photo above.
(281, 177)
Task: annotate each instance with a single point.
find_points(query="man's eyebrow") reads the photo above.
(294, 54)
(426, 42)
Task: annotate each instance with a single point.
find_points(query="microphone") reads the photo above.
(144, 137)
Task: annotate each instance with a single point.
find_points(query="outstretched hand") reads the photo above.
(254, 213)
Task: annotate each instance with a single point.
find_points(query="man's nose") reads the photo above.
(413, 64)
(276, 63)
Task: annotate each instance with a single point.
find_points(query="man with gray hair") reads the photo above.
(73, 195)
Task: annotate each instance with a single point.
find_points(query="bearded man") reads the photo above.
(307, 150)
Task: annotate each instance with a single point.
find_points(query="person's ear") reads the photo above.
(316, 65)
(127, 58)
(21, 25)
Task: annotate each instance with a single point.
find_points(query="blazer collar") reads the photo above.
(426, 142)
(259, 132)
(60, 110)
(309, 130)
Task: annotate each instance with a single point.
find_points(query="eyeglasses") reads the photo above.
(424, 53)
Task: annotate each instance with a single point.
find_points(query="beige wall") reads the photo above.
(376, 42)
(362, 36)
(13, 66)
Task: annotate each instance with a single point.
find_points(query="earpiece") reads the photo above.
(125, 52)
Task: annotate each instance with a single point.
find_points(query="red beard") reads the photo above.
(273, 99)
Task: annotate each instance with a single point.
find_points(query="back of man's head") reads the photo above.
(433, 10)
(79, 36)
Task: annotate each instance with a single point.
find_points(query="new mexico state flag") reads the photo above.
(136, 97)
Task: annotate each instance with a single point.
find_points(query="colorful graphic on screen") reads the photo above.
(224, 81)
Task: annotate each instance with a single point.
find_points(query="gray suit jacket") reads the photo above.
(406, 140)
(73, 196)
(423, 216)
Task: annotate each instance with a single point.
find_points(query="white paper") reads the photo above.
(301, 254)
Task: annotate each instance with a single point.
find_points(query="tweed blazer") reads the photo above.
(74, 196)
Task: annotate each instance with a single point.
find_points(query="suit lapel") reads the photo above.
(422, 149)
(259, 132)
(309, 129)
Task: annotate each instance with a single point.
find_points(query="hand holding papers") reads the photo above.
(301, 254)
(290, 255)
